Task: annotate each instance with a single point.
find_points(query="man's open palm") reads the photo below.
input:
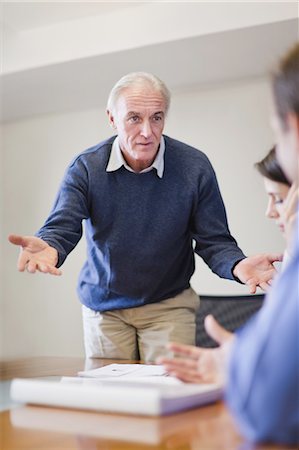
(36, 255)
(257, 270)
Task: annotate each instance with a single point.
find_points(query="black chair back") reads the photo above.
(232, 312)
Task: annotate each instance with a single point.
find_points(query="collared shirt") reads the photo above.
(116, 160)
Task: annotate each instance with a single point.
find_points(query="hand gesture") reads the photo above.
(257, 270)
(201, 365)
(36, 255)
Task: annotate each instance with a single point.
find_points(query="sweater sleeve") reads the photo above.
(214, 243)
(63, 228)
(263, 386)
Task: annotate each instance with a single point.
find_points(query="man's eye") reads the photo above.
(157, 118)
(278, 201)
(133, 119)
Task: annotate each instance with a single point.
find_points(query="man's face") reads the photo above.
(287, 144)
(139, 117)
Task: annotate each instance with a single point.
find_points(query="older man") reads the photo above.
(260, 365)
(145, 198)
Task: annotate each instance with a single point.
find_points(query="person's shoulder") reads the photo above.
(184, 153)
(99, 149)
(96, 153)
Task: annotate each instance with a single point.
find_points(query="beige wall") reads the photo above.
(1, 247)
(229, 123)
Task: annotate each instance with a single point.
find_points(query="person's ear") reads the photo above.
(111, 119)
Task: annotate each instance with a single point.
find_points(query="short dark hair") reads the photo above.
(269, 168)
(285, 84)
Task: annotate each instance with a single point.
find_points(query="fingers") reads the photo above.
(29, 243)
(17, 240)
(252, 283)
(265, 286)
(273, 257)
(189, 351)
(183, 369)
(52, 270)
(22, 261)
(185, 365)
(216, 331)
(33, 266)
(43, 268)
(252, 287)
(186, 376)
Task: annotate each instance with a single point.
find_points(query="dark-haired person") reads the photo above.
(277, 187)
(259, 365)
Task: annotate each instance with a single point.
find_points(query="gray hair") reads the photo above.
(135, 79)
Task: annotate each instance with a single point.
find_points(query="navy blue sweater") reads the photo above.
(140, 228)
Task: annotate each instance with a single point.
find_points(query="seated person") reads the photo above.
(280, 192)
(277, 187)
(259, 365)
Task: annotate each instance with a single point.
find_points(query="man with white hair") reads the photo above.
(145, 198)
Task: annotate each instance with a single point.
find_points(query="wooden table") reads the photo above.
(41, 428)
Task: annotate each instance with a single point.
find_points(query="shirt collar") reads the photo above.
(116, 160)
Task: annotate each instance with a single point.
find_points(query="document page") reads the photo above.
(125, 371)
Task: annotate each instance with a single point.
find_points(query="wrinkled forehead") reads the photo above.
(143, 99)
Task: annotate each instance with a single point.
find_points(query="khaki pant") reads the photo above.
(142, 332)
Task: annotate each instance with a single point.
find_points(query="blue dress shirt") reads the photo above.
(263, 387)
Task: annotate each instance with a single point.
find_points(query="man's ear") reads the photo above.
(111, 119)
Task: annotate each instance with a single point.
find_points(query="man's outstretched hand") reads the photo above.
(36, 255)
(257, 270)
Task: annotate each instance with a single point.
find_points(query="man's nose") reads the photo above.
(146, 129)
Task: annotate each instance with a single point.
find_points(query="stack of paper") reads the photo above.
(134, 389)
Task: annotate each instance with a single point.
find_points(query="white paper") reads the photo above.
(148, 380)
(123, 397)
(125, 371)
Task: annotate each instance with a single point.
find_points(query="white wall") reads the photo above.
(229, 123)
(1, 247)
(60, 43)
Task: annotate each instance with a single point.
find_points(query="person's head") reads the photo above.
(276, 185)
(285, 122)
(136, 108)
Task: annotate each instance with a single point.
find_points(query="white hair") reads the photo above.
(138, 79)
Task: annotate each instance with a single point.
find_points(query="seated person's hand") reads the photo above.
(201, 365)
